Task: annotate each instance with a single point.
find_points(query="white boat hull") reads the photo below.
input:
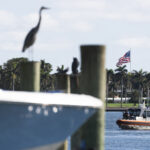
(26, 126)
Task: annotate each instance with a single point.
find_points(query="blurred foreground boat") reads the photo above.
(31, 120)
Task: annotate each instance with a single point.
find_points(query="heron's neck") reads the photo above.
(39, 22)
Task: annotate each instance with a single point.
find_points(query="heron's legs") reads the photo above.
(32, 50)
(30, 53)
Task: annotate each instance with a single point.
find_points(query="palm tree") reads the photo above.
(147, 83)
(113, 85)
(108, 81)
(46, 80)
(121, 73)
(139, 79)
(127, 84)
(62, 70)
(11, 73)
(1, 72)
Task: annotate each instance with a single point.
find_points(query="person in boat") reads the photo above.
(126, 115)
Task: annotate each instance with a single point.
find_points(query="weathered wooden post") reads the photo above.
(30, 76)
(64, 146)
(93, 82)
(75, 88)
(63, 84)
(74, 79)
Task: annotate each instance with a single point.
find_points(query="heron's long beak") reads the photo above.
(46, 8)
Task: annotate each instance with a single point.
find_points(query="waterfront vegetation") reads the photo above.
(10, 73)
(120, 83)
(124, 105)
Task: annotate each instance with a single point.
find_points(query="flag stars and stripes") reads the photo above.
(124, 59)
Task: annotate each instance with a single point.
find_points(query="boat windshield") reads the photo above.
(134, 112)
(146, 114)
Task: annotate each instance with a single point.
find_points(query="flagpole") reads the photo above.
(130, 60)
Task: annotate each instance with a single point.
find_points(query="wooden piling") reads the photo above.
(30, 76)
(63, 84)
(93, 82)
(75, 80)
(64, 146)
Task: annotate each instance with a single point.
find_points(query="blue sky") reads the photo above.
(118, 24)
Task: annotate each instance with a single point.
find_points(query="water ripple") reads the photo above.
(117, 139)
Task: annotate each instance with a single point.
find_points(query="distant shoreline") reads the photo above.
(116, 109)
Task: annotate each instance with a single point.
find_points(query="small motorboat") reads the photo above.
(135, 118)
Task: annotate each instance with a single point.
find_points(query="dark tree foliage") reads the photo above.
(62, 70)
(135, 84)
(47, 80)
(10, 75)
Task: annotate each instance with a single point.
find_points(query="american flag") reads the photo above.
(124, 59)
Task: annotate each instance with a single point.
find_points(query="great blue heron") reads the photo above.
(31, 36)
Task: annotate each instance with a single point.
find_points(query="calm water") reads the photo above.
(117, 139)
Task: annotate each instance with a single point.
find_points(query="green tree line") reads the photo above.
(10, 75)
(122, 83)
